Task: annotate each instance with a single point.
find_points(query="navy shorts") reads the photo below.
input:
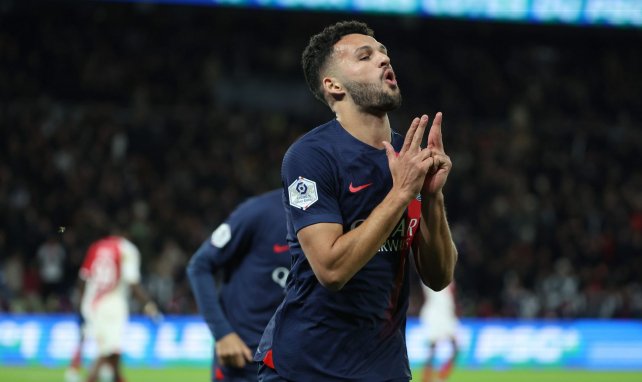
(229, 374)
(267, 374)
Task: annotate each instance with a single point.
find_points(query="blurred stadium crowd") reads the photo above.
(164, 118)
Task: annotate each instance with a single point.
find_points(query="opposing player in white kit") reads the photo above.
(439, 314)
(110, 269)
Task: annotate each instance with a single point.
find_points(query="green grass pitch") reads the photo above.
(183, 374)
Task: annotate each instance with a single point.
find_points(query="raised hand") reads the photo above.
(410, 166)
(232, 351)
(438, 173)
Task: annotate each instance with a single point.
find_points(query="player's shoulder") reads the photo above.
(316, 148)
(126, 246)
(266, 203)
(330, 139)
(319, 138)
(264, 200)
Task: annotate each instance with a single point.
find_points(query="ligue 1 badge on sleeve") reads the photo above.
(303, 193)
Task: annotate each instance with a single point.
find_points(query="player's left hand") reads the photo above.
(438, 173)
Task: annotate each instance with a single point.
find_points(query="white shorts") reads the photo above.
(106, 325)
(441, 328)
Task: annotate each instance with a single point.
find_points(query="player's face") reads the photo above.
(367, 75)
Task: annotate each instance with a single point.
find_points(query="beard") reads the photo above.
(371, 97)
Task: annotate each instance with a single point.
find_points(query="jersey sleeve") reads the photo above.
(130, 265)
(312, 186)
(230, 241)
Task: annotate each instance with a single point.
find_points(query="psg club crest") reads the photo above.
(303, 193)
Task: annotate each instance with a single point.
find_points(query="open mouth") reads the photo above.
(389, 77)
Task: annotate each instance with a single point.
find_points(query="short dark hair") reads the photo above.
(321, 47)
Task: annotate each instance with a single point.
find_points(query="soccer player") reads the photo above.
(110, 269)
(439, 314)
(250, 255)
(358, 198)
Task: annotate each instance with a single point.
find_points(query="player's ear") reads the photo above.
(332, 87)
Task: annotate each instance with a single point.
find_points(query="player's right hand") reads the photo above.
(232, 351)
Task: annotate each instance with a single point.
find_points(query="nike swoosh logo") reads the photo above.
(280, 248)
(354, 189)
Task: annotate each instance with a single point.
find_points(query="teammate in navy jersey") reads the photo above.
(358, 198)
(250, 252)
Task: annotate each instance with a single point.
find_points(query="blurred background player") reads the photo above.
(439, 314)
(250, 256)
(110, 269)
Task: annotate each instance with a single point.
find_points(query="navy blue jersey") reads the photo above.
(250, 252)
(357, 333)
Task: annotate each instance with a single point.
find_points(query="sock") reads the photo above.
(76, 361)
(446, 369)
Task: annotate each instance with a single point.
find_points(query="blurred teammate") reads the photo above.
(249, 253)
(110, 269)
(439, 314)
(358, 197)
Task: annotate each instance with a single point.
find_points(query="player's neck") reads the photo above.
(369, 128)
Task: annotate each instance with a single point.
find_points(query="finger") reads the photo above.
(239, 360)
(409, 134)
(247, 353)
(220, 359)
(419, 133)
(441, 158)
(390, 151)
(442, 162)
(425, 154)
(434, 135)
(230, 360)
(428, 165)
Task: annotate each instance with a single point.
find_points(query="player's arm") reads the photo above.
(230, 240)
(83, 275)
(200, 272)
(335, 256)
(231, 350)
(130, 268)
(149, 306)
(436, 256)
(80, 284)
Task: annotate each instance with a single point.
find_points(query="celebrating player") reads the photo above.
(250, 253)
(359, 197)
